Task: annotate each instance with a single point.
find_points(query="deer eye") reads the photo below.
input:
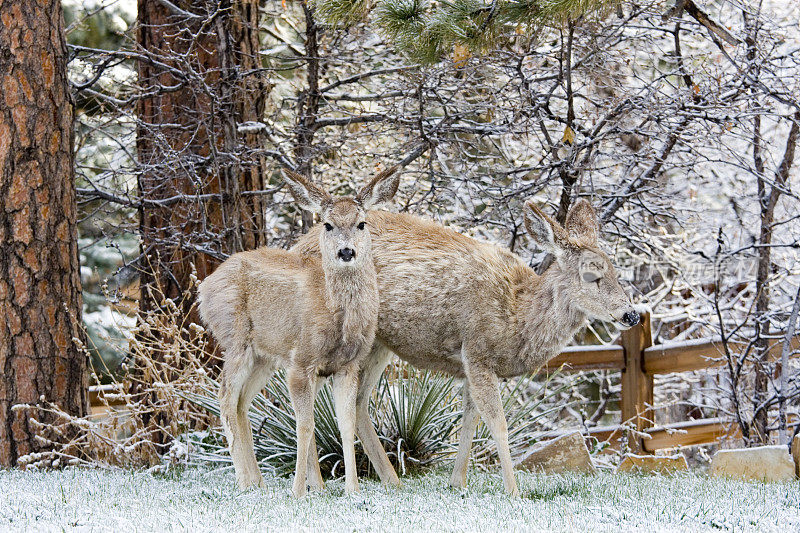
(328, 227)
(591, 277)
(360, 225)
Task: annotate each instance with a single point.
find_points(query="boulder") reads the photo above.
(796, 454)
(653, 464)
(764, 463)
(567, 453)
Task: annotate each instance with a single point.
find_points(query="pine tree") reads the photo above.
(197, 164)
(428, 30)
(188, 141)
(40, 288)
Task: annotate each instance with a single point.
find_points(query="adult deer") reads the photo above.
(315, 316)
(474, 310)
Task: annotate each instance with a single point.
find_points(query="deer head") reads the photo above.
(592, 282)
(345, 241)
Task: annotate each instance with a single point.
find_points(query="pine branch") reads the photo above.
(426, 33)
(340, 12)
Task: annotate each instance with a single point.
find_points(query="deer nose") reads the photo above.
(631, 318)
(347, 254)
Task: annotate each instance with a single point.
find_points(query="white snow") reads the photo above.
(251, 127)
(199, 500)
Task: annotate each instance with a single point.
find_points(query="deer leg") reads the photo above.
(301, 390)
(314, 474)
(469, 421)
(371, 370)
(345, 389)
(242, 377)
(485, 391)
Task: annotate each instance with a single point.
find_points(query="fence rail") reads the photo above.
(696, 355)
(639, 360)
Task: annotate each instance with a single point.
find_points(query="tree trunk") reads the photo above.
(244, 96)
(204, 80)
(758, 429)
(40, 289)
(768, 197)
(762, 365)
(194, 166)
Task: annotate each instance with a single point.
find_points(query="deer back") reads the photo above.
(440, 290)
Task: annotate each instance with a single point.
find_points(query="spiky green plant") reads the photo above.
(341, 11)
(272, 419)
(417, 416)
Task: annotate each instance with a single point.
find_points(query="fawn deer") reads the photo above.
(314, 316)
(473, 310)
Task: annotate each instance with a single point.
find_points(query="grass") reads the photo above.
(202, 500)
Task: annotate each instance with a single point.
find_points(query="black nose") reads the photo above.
(347, 254)
(631, 318)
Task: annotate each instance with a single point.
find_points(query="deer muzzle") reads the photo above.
(631, 318)
(347, 254)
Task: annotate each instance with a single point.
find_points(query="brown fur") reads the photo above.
(474, 310)
(314, 316)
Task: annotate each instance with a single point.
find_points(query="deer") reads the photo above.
(476, 311)
(316, 317)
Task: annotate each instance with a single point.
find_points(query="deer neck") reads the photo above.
(550, 318)
(352, 294)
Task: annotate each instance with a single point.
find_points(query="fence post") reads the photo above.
(637, 386)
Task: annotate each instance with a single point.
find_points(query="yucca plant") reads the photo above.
(417, 415)
(272, 419)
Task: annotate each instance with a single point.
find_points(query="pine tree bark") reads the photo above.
(203, 82)
(40, 290)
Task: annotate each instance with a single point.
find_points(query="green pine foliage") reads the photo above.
(341, 12)
(404, 21)
(88, 24)
(428, 30)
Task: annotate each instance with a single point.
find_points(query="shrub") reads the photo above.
(417, 415)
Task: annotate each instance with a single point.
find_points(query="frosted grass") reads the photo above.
(198, 500)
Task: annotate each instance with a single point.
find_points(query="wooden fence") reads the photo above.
(638, 360)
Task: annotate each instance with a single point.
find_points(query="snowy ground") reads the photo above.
(92, 500)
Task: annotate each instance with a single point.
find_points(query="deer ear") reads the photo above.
(581, 222)
(306, 194)
(381, 189)
(547, 233)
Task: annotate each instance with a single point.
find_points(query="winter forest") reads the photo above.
(142, 144)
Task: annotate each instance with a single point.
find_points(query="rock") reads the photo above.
(796, 455)
(764, 463)
(653, 464)
(567, 453)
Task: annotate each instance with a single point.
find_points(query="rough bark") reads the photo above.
(40, 289)
(244, 95)
(202, 83)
